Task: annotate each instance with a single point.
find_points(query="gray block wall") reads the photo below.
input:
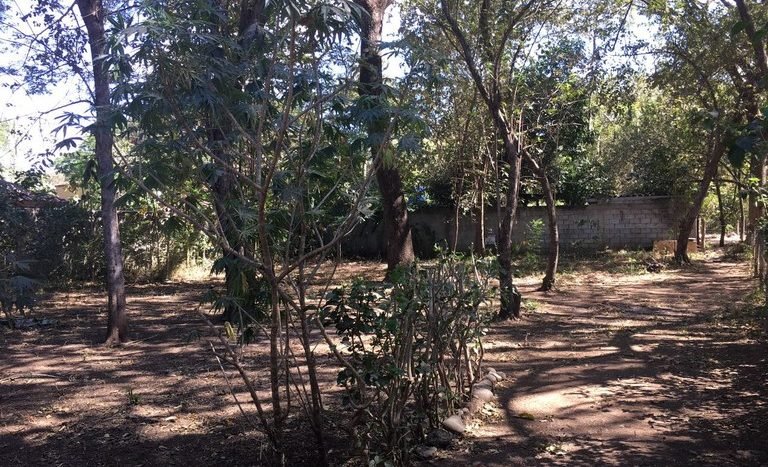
(629, 222)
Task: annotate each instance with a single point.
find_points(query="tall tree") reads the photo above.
(486, 62)
(397, 229)
(755, 85)
(93, 15)
(721, 77)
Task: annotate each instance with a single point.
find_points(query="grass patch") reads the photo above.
(750, 316)
(608, 261)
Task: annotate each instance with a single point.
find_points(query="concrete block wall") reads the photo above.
(629, 222)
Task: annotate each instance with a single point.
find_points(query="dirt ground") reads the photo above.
(611, 369)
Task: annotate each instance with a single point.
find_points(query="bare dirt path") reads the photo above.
(612, 369)
(647, 369)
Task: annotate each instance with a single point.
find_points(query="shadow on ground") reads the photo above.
(629, 370)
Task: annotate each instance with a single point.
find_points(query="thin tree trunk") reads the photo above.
(317, 401)
(397, 229)
(458, 192)
(456, 225)
(479, 215)
(758, 236)
(510, 297)
(92, 13)
(553, 254)
(462, 158)
(721, 212)
(742, 222)
(686, 224)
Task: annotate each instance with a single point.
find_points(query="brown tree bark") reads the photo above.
(479, 214)
(721, 212)
(510, 297)
(742, 221)
(225, 190)
(758, 169)
(92, 13)
(758, 43)
(553, 252)
(397, 229)
(688, 221)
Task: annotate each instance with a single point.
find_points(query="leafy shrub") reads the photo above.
(67, 243)
(42, 240)
(17, 283)
(411, 350)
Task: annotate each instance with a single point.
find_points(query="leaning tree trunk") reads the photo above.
(397, 229)
(686, 224)
(92, 13)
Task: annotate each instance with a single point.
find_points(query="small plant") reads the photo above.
(133, 398)
(531, 305)
(534, 233)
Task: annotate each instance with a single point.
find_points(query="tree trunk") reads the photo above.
(758, 237)
(686, 224)
(553, 254)
(742, 222)
(457, 194)
(479, 215)
(397, 229)
(721, 212)
(225, 188)
(510, 297)
(92, 13)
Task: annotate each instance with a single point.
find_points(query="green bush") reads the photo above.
(411, 350)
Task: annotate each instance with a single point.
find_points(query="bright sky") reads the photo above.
(29, 120)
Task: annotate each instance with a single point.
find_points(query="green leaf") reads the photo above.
(737, 28)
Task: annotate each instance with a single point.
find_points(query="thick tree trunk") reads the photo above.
(397, 229)
(553, 254)
(92, 13)
(686, 224)
(721, 212)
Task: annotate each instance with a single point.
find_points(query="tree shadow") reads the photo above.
(621, 372)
